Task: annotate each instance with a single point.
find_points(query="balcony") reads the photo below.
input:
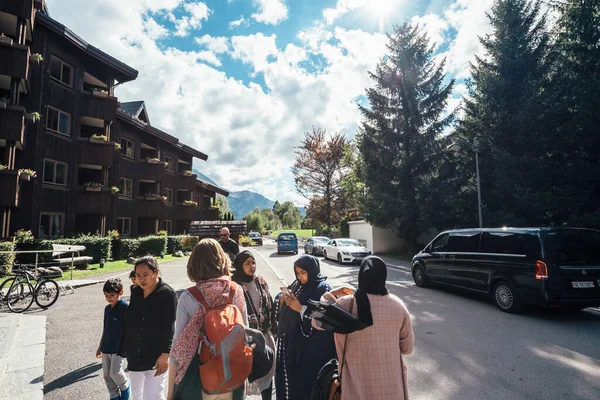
(12, 124)
(20, 8)
(102, 154)
(98, 106)
(149, 208)
(152, 172)
(9, 182)
(15, 60)
(206, 214)
(185, 212)
(183, 182)
(101, 202)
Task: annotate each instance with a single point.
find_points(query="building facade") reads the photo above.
(100, 164)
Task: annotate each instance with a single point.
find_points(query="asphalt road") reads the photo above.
(465, 347)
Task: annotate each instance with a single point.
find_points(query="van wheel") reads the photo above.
(506, 298)
(420, 277)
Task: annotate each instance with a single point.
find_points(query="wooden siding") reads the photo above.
(100, 203)
(97, 153)
(149, 208)
(104, 108)
(9, 182)
(12, 124)
(152, 172)
(20, 8)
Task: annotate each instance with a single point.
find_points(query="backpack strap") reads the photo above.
(199, 296)
(232, 289)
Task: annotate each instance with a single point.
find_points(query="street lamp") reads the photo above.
(456, 147)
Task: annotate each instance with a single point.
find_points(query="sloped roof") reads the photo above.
(131, 107)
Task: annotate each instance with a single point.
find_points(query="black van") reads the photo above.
(517, 266)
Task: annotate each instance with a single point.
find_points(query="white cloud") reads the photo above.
(154, 30)
(435, 27)
(270, 12)
(217, 45)
(343, 7)
(198, 12)
(238, 22)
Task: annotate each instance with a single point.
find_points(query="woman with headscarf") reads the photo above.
(259, 305)
(372, 361)
(301, 350)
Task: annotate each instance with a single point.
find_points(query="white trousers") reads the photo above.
(146, 386)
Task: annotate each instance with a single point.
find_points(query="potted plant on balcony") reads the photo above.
(4, 39)
(154, 196)
(3, 167)
(114, 189)
(98, 92)
(153, 160)
(95, 138)
(33, 117)
(3, 102)
(26, 174)
(117, 146)
(36, 58)
(92, 187)
(190, 203)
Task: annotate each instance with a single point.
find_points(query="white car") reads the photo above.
(345, 250)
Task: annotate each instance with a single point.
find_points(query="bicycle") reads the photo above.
(22, 293)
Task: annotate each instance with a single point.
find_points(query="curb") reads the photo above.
(270, 267)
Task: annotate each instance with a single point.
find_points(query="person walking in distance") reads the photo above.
(149, 333)
(259, 306)
(230, 246)
(111, 343)
(371, 357)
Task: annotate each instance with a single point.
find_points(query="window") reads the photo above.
(440, 244)
(464, 242)
(127, 147)
(124, 226)
(61, 71)
(58, 121)
(169, 196)
(168, 225)
(126, 186)
(51, 224)
(573, 248)
(55, 172)
(510, 243)
(171, 163)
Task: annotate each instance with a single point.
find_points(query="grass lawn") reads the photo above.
(305, 233)
(111, 266)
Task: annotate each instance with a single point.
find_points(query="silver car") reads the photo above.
(315, 244)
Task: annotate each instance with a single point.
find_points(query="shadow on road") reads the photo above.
(281, 255)
(78, 375)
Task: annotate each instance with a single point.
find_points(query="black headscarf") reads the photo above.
(289, 318)
(239, 275)
(371, 280)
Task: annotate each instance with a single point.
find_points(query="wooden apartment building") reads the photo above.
(100, 164)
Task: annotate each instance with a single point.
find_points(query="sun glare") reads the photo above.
(380, 10)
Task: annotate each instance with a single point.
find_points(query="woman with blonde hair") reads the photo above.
(209, 268)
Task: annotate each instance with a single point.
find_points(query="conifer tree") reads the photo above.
(397, 140)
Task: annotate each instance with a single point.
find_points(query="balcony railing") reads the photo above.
(98, 106)
(206, 214)
(183, 182)
(15, 60)
(149, 208)
(9, 182)
(20, 8)
(12, 124)
(101, 154)
(186, 212)
(101, 202)
(152, 172)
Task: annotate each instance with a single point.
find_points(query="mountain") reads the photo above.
(242, 202)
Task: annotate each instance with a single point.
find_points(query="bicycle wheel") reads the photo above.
(46, 293)
(20, 296)
(4, 287)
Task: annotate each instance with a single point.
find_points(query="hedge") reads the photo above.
(174, 243)
(153, 245)
(125, 248)
(6, 260)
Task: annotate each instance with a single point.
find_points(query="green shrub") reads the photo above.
(153, 245)
(97, 247)
(125, 248)
(174, 243)
(6, 260)
(245, 241)
(188, 242)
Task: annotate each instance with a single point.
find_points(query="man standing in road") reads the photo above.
(229, 245)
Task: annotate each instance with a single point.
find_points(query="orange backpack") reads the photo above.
(225, 358)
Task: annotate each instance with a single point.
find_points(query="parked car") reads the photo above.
(516, 266)
(315, 245)
(345, 250)
(287, 242)
(256, 238)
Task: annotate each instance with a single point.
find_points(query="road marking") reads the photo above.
(270, 266)
(402, 284)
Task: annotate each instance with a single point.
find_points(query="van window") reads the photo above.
(573, 247)
(463, 242)
(511, 243)
(287, 237)
(440, 244)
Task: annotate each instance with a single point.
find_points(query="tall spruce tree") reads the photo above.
(397, 139)
(576, 84)
(509, 112)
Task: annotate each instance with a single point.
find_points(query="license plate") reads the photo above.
(583, 285)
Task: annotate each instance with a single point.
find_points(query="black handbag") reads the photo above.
(333, 318)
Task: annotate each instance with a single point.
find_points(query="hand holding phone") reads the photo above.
(286, 291)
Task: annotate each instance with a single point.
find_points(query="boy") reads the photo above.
(132, 277)
(112, 340)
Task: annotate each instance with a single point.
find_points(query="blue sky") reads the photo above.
(241, 80)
